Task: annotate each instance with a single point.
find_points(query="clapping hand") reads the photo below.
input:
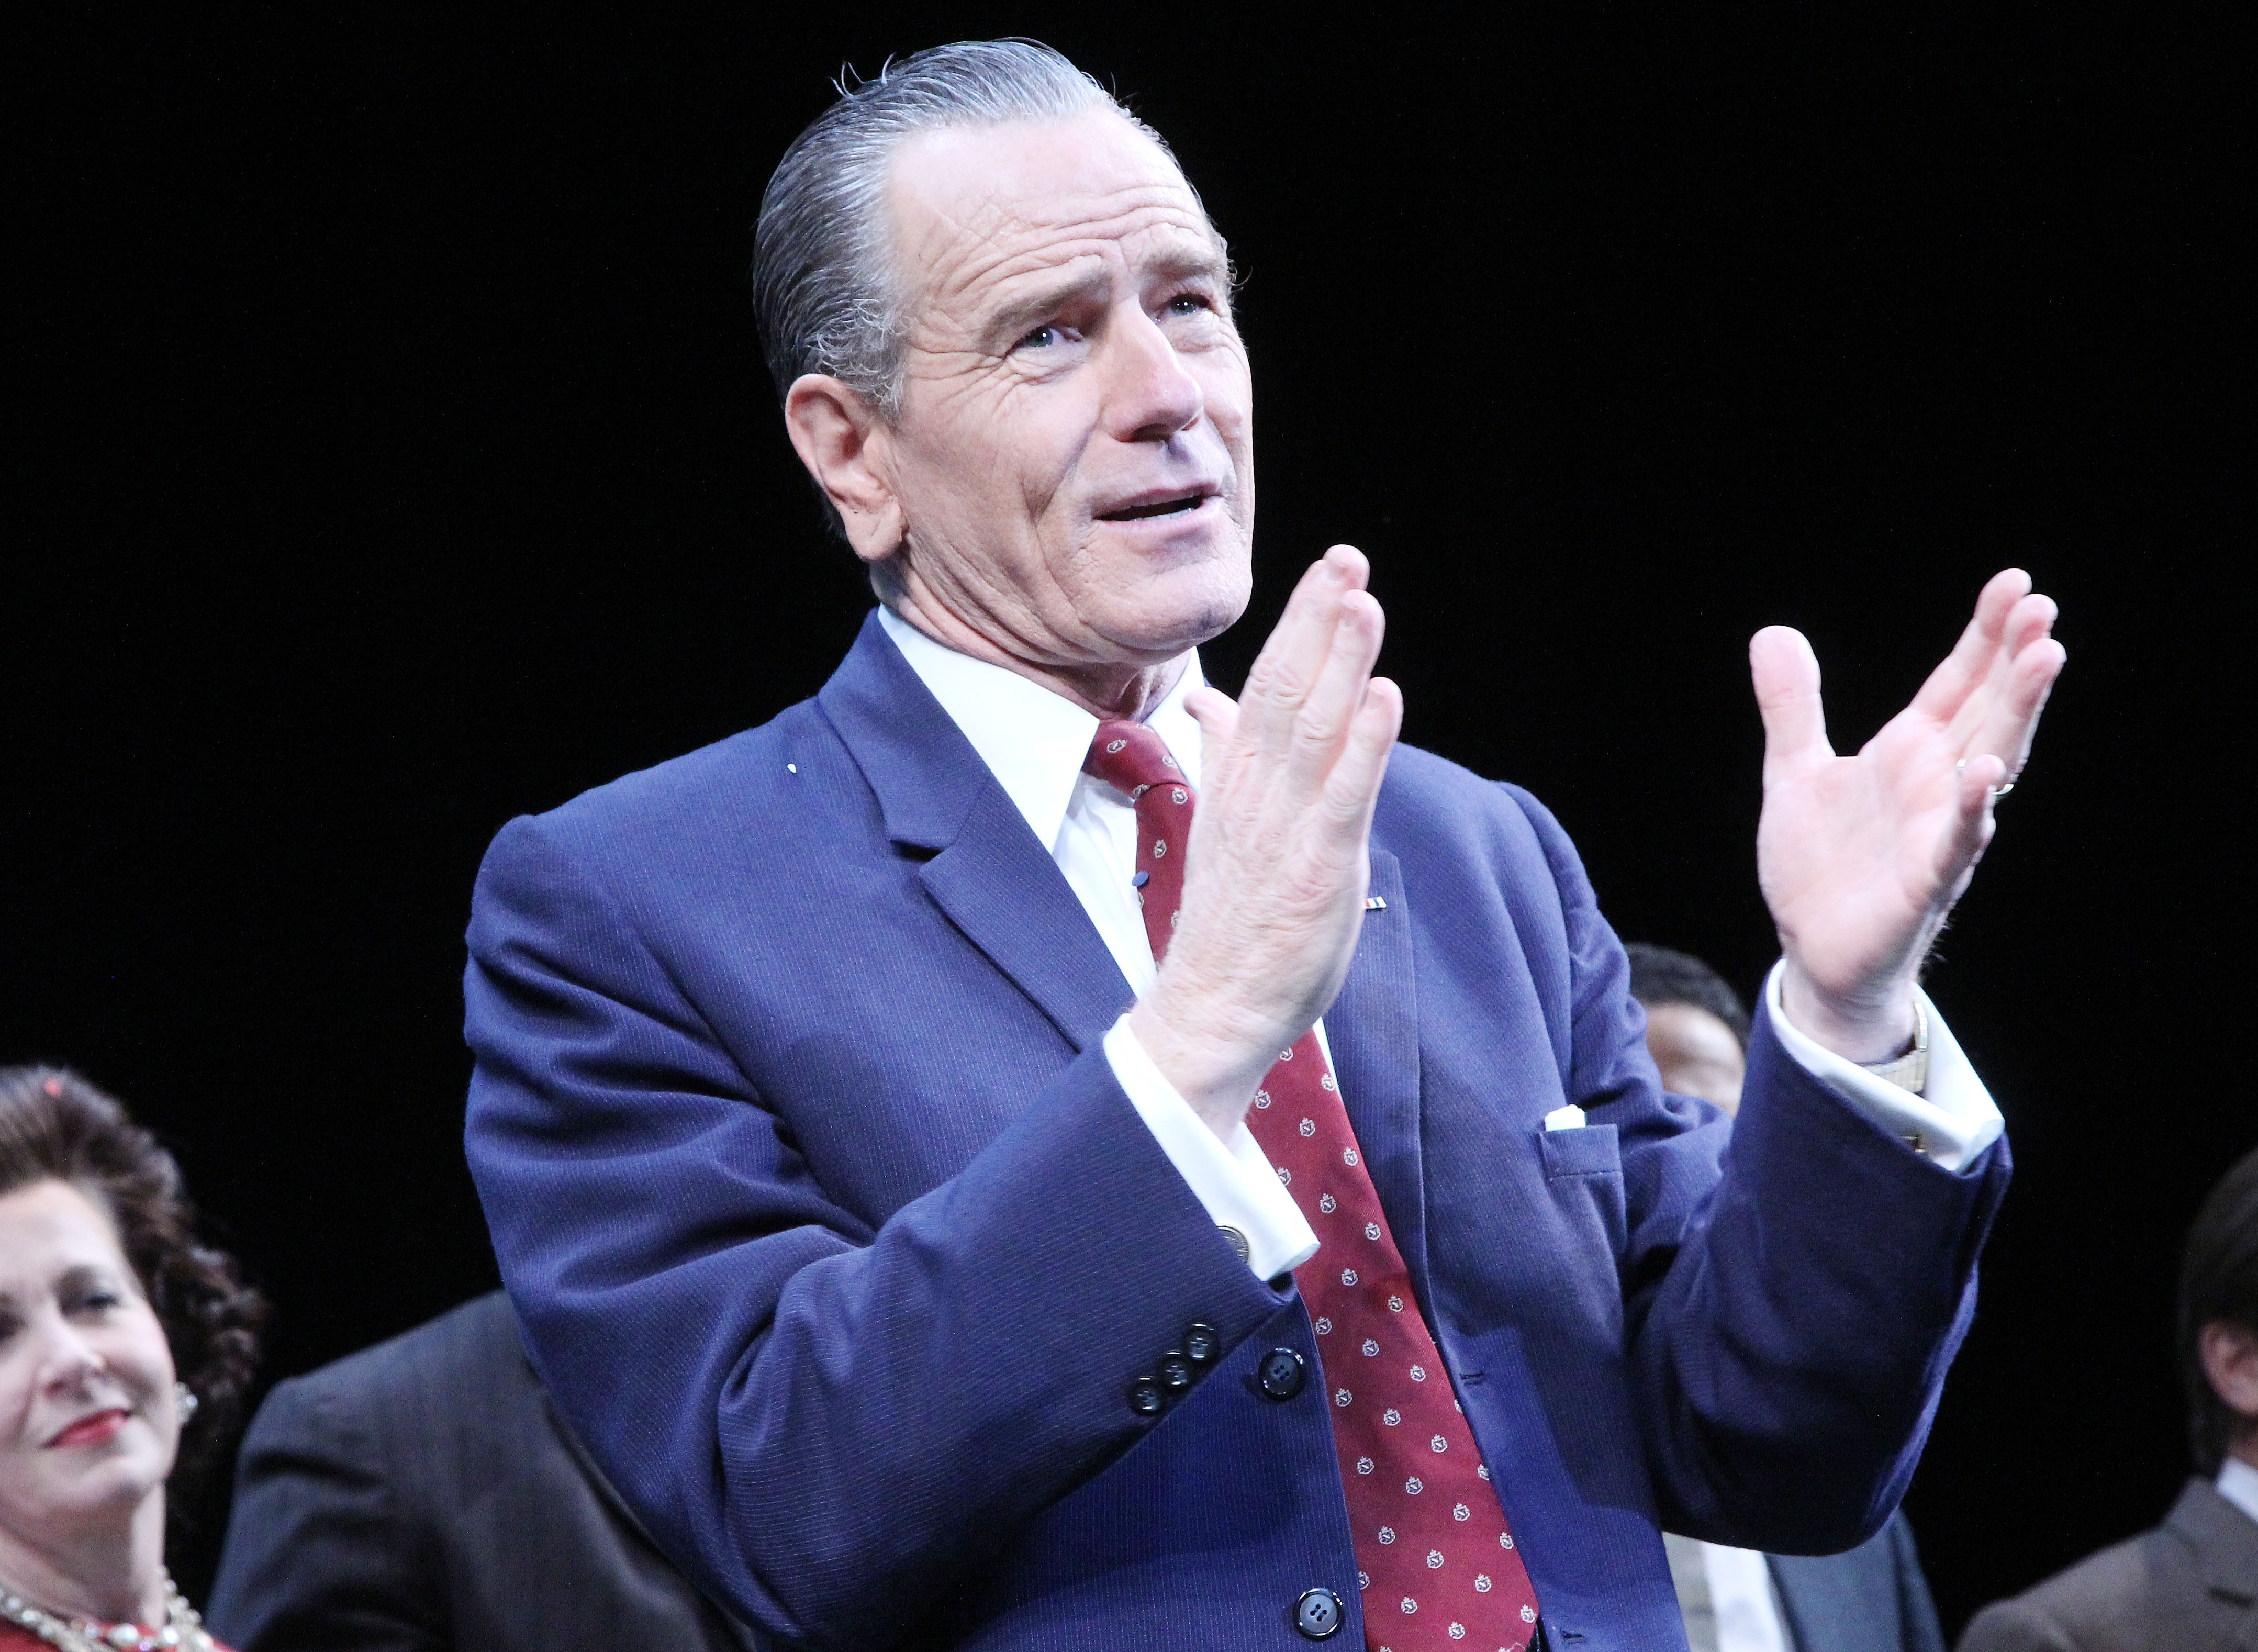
(1862, 857)
(1275, 880)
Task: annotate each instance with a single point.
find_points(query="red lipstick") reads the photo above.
(96, 1429)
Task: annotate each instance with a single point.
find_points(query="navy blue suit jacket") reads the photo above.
(835, 1238)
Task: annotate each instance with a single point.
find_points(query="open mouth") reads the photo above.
(1176, 506)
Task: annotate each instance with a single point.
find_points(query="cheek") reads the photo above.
(1227, 388)
(966, 497)
(16, 1393)
(142, 1356)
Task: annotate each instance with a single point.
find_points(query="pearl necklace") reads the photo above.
(183, 1629)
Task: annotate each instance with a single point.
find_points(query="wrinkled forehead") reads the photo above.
(975, 210)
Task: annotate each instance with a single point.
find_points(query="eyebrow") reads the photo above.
(1014, 318)
(76, 1277)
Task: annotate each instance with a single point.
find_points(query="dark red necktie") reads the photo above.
(1436, 1557)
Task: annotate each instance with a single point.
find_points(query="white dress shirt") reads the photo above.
(1033, 742)
(1740, 1593)
(2238, 1483)
(1728, 1598)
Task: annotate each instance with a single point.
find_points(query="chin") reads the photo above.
(113, 1485)
(1168, 610)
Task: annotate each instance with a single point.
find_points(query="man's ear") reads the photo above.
(847, 448)
(2230, 1360)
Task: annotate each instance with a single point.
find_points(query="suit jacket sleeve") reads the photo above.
(1788, 1318)
(321, 1557)
(726, 1336)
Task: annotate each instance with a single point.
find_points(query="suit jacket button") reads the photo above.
(1281, 1376)
(1147, 1398)
(1317, 1613)
(1176, 1373)
(1202, 1345)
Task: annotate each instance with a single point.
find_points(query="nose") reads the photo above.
(71, 1360)
(1150, 397)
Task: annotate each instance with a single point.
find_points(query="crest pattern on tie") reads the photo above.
(1436, 1557)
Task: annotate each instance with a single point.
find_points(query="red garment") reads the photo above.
(1436, 1556)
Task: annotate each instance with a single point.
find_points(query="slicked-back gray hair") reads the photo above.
(824, 291)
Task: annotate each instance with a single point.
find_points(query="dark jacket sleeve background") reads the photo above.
(421, 1495)
(1870, 1598)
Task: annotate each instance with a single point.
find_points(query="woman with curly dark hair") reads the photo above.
(125, 1350)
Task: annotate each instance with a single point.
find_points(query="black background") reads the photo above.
(394, 457)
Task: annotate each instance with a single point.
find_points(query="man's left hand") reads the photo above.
(1861, 858)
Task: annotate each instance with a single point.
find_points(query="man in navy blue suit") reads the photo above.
(1022, 1151)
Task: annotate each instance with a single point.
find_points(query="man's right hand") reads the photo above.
(1275, 873)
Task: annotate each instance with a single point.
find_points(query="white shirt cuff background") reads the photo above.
(1235, 1182)
(1955, 1117)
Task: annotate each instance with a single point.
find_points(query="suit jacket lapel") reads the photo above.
(986, 871)
(2226, 1544)
(1373, 1030)
(1004, 891)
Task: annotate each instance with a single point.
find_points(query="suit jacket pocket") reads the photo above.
(1583, 1172)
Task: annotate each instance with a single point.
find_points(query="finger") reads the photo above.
(1352, 787)
(1969, 663)
(1216, 713)
(1786, 677)
(1973, 822)
(1325, 715)
(1296, 650)
(1975, 727)
(2031, 619)
(2014, 716)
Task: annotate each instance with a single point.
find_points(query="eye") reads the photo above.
(1041, 339)
(1189, 303)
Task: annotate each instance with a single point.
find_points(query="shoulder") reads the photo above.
(473, 1349)
(1497, 855)
(2015, 1626)
(658, 847)
(1430, 805)
(731, 783)
(2121, 1596)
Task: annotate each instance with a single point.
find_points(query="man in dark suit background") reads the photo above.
(2192, 1583)
(1870, 1598)
(420, 1496)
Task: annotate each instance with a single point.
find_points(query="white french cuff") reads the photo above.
(1235, 1182)
(1951, 1120)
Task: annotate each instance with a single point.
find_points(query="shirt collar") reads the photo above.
(2238, 1483)
(1032, 740)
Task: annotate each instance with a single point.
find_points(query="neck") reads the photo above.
(1104, 689)
(2244, 1449)
(112, 1571)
